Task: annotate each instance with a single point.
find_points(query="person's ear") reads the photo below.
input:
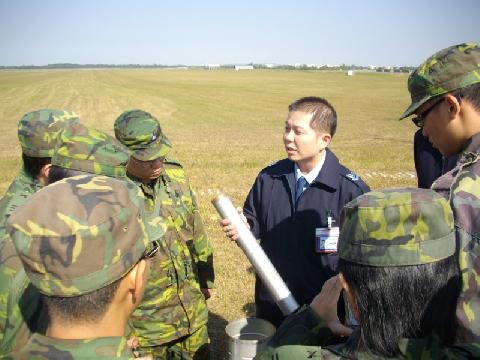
(44, 171)
(137, 278)
(453, 105)
(325, 139)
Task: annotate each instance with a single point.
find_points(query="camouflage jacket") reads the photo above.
(300, 334)
(42, 347)
(21, 311)
(461, 186)
(17, 193)
(173, 305)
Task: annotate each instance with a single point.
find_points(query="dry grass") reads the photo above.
(225, 127)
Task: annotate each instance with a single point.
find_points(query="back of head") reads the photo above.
(396, 251)
(76, 247)
(449, 70)
(141, 133)
(84, 150)
(324, 117)
(37, 130)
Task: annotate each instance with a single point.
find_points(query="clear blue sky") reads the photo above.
(363, 32)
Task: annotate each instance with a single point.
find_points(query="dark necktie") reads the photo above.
(301, 186)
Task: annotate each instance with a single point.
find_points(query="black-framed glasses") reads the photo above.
(419, 120)
(151, 250)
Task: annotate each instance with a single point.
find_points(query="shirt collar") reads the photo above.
(312, 175)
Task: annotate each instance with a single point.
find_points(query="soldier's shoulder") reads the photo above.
(353, 179)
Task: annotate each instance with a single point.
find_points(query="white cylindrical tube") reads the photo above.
(257, 257)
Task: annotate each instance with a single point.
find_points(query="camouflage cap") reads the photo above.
(450, 69)
(90, 238)
(37, 130)
(89, 150)
(396, 227)
(141, 133)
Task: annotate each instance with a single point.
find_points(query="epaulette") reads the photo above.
(350, 175)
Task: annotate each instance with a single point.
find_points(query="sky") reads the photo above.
(362, 32)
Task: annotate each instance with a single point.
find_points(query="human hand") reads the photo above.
(230, 229)
(325, 305)
(207, 293)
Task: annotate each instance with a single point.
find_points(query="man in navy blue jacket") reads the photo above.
(294, 206)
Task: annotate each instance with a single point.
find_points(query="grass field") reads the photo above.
(225, 127)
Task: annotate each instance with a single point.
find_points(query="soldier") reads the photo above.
(86, 255)
(171, 322)
(445, 92)
(36, 132)
(79, 150)
(399, 274)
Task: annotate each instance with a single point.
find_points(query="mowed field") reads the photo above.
(225, 127)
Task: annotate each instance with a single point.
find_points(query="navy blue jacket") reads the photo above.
(288, 235)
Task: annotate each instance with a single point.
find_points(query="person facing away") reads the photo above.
(78, 150)
(86, 255)
(399, 275)
(445, 93)
(37, 131)
(172, 319)
(294, 206)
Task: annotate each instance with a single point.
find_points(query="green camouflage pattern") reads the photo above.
(17, 194)
(461, 186)
(37, 130)
(450, 69)
(301, 337)
(91, 238)
(173, 305)
(89, 150)
(396, 227)
(141, 133)
(42, 347)
(193, 347)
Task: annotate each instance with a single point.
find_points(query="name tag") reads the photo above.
(326, 240)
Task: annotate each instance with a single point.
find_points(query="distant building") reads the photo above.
(243, 67)
(212, 66)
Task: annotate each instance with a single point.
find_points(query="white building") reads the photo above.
(243, 67)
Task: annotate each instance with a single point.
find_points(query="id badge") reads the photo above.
(326, 239)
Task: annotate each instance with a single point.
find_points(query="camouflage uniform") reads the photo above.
(78, 148)
(90, 239)
(172, 318)
(447, 71)
(396, 227)
(37, 132)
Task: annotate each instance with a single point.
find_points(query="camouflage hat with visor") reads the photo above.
(84, 149)
(397, 227)
(37, 130)
(87, 240)
(141, 133)
(448, 70)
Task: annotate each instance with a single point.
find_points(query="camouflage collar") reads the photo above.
(471, 150)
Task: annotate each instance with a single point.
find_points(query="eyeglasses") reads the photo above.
(419, 120)
(151, 250)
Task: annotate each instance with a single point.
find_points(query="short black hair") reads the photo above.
(86, 308)
(324, 115)
(58, 173)
(471, 94)
(404, 302)
(33, 165)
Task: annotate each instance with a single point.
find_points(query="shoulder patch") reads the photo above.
(352, 176)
